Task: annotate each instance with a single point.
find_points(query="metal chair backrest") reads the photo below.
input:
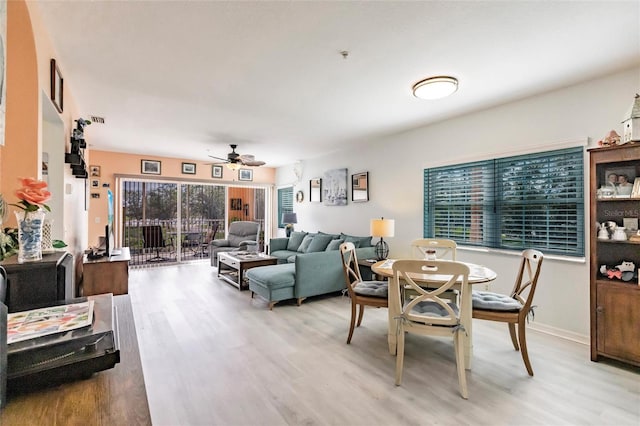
(444, 248)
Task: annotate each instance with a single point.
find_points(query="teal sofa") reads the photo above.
(315, 269)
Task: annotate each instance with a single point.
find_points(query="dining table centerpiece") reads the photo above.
(30, 217)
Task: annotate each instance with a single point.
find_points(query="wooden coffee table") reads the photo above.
(232, 265)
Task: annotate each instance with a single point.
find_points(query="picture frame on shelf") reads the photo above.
(150, 167)
(245, 174)
(94, 171)
(216, 172)
(188, 168)
(360, 187)
(621, 180)
(315, 190)
(57, 86)
(635, 192)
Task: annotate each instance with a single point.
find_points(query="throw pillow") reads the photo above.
(306, 242)
(334, 244)
(363, 241)
(295, 240)
(319, 243)
(335, 236)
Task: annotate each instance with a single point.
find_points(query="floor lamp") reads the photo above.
(382, 228)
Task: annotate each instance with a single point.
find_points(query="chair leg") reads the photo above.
(523, 347)
(514, 338)
(360, 314)
(353, 321)
(399, 356)
(458, 346)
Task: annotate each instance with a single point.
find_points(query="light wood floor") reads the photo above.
(212, 355)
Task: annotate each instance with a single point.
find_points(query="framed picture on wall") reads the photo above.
(216, 172)
(94, 171)
(150, 167)
(95, 183)
(56, 86)
(360, 187)
(245, 174)
(315, 190)
(189, 168)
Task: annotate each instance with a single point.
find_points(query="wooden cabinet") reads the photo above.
(106, 275)
(615, 297)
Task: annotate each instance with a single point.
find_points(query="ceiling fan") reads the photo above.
(235, 160)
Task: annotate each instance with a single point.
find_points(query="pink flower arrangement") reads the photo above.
(32, 195)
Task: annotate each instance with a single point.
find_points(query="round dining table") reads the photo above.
(478, 274)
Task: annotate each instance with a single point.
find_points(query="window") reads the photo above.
(285, 203)
(527, 201)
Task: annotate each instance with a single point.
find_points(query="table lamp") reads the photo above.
(289, 219)
(382, 228)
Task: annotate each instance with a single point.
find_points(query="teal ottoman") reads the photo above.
(274, 283)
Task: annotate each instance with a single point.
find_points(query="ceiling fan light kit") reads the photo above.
(234, 160)
(435, 87)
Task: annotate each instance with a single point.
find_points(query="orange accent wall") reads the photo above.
(20, 153)
(116, 163)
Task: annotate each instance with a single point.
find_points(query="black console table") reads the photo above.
(38, 283)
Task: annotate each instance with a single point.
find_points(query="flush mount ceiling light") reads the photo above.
(435, 87)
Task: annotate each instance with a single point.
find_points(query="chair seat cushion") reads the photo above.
(488, 300)
(372, 288)
(433, 309)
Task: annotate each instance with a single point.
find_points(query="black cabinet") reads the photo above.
(38, 283)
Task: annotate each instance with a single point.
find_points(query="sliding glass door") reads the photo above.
(170, 222)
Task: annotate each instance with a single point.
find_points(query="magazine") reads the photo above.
(42, 322)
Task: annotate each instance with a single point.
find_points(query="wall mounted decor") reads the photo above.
(299, 196)
(245, 174)
(334, 192)
(150, 167)
(95, 183)
(94, 171)
(236, 204)
(56, 86)
(360, 187)
(315, 190)
(216, 172)
(188, 168)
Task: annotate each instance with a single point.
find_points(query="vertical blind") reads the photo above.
(527, 201)
(285, 203)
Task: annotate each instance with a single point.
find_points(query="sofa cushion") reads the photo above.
(295, 240)
(291, 259)
(494, 301)
(334, 244)
(333, 236)
(319, 243)
(363, 241)
(304, 245)
(273, 276)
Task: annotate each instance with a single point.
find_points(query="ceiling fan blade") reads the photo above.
(253, 163)
(218, 158)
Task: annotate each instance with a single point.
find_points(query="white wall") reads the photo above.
(396, 163)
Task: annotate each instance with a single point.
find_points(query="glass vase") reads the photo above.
(29, 235)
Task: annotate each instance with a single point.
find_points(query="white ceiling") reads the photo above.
(185, 78)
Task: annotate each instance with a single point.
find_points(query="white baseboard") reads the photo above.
(558, 332)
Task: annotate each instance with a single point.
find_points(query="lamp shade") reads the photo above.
(382, 227)
(289, 218)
